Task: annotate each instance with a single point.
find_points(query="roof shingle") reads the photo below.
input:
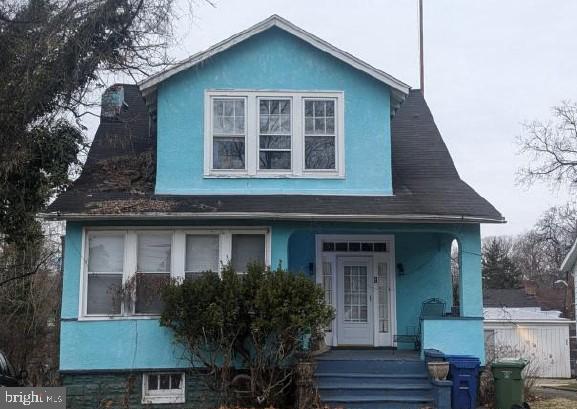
(118, 179)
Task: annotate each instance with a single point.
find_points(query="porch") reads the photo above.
(377, 277)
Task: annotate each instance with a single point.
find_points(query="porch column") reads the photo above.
(470, 295)
(279, 245)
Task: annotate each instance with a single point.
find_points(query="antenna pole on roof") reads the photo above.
(421, 55)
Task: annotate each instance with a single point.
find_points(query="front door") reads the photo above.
(355, 301)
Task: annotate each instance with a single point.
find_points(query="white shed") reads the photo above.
(540, 336)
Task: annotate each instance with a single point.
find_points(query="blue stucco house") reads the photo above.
(271, 146)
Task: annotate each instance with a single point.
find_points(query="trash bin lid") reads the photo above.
(510, 363)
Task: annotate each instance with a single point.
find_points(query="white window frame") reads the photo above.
(297, 138)
(177, 262)
(160, 396)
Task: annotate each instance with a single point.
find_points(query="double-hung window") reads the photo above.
(320, 134)
(125, 270)
(153, 261)
(105, 269)
(274, 134)
(228, 133)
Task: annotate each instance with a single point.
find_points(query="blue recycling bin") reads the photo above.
(464, 372)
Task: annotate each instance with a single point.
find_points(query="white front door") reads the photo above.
(355, 301)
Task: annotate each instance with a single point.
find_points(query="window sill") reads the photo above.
(118, 318)
(149, 400)
(319, 175)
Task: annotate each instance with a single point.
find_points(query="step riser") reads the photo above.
(373, 367)
(384, 394)
(362, 380)
(379, 405)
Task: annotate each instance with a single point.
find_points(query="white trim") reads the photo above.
(378, 340)
(164, 395)
(252, 134)
(148, 85)
(378, 218)
(178, 235)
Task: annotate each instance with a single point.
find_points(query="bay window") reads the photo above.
(124, 270)
(274, 134)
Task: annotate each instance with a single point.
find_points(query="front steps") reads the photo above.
(373, 379)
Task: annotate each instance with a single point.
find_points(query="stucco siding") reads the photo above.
(422, 249)
(273, 60)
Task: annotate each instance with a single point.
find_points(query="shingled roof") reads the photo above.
(118, 180)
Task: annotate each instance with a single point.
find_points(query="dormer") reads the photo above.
(274, 110)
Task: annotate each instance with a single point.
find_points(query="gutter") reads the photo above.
(408, 218)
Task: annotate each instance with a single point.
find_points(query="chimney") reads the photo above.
(112, 103)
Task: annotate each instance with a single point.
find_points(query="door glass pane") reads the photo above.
(106, 253)
(356, 294)
(383, 289)
(247, 249)
(154, 252)
(103, 294)
(201, 253)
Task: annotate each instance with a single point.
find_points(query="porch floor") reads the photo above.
(368, 354)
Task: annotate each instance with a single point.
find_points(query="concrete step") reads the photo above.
(372, 366)
(324, 378)
(400, 402)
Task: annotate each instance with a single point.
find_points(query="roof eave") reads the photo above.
(403, 218)
(570, 259)
(148, 85)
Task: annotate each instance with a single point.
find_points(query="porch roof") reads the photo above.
(118, 180)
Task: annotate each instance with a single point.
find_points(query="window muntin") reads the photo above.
(320, 134)
(183, 253)
(275, 133)
(228, 133)
(152, 271)
(163, 388)
(202, 254)
(281, 138)
(105, 270)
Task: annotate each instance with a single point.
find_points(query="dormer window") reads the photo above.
(274, 134)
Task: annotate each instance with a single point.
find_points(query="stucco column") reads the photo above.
(470, 296)
(279, 245)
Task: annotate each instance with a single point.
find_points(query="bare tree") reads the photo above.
(551, 148)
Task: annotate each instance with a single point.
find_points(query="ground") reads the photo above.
(557, 403)
(556, 394)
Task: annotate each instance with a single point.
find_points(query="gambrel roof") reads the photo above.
(398, 88)
(118, 180)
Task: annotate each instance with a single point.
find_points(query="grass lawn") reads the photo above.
(554, 404)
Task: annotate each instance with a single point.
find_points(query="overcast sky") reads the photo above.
(490, 65)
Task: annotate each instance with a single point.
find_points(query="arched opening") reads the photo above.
(455, 275)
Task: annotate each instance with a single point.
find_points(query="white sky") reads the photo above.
(490, 65)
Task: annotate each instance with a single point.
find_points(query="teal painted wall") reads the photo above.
(455, 337)
(279, 61)
(131, 344)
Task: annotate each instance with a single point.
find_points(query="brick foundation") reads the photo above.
(124, 390)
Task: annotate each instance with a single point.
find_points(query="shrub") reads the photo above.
(246, 331)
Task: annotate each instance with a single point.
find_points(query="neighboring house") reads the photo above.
(517, 326)
(569, 267)
(272, 146)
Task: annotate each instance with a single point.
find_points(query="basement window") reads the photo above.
(165, 387)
